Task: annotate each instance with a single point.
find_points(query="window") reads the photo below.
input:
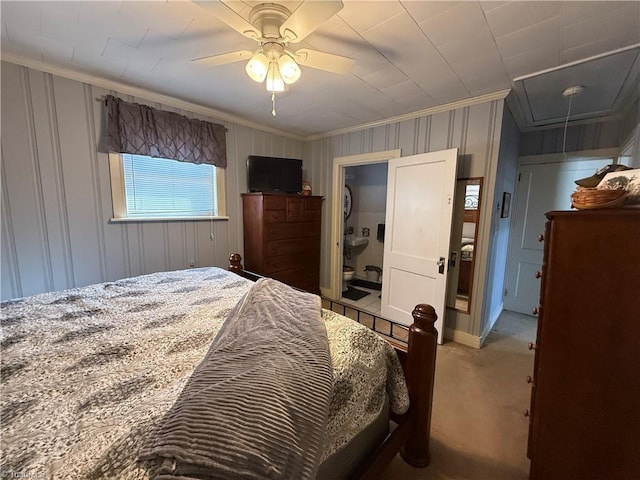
(147, 188)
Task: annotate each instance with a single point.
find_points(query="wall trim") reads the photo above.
(467, 102)
(148, 95)
(525, 128)
(151, 96)
(570, 156)
(492, 321)
(470, 340)
(463, 338)
(337, 223)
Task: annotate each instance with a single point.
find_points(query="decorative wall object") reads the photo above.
(506, 205)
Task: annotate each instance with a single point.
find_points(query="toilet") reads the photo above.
(347, 275)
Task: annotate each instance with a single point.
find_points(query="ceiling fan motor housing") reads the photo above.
(268, 18)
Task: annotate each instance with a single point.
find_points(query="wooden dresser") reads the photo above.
(585, 402)
(282, 237)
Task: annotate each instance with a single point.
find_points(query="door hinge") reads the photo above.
(519, 176)
(505, 292)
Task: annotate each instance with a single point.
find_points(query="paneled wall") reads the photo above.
(474, 130)
(492, 279)
(631, 135)
(56, 192)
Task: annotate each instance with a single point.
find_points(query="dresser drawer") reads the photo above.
(288, 262)
(276, 231)
(291, 246)
(312, 215)
(275, 216)
(295, 210)
(275, 202)
(305, 278)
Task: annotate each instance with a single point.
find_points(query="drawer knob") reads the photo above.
(538, 275)
(536, 311)
(541, 238)
(526, 413)
(529, 379)
(532, 346)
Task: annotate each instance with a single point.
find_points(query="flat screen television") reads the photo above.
(274, 174)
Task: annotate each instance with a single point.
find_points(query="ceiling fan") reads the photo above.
(274, 27)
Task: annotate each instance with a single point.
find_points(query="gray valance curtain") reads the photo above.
(143, 130)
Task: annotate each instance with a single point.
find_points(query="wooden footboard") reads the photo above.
(418, 357)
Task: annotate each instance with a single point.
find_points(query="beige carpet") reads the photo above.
(478, 427)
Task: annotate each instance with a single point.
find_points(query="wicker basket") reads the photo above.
(590, 198)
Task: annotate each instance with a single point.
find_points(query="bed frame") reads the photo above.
(417, 355)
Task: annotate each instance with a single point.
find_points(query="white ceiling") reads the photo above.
(409, 56)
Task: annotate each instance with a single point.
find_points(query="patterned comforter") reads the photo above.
(88, 372)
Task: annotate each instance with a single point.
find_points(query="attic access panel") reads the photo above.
(607, 80)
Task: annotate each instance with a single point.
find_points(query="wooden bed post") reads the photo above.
(235, 263)
(419, 371)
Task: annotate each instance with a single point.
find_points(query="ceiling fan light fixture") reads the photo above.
(258, 67)
(289, 69)
(275, 83)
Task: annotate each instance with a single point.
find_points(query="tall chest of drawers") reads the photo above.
(585, 403)
(282, 237)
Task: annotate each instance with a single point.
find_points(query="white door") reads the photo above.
(420, 192)
(540, 189)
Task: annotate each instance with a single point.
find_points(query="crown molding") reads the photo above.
(573, 123)
(148, 95)
(467, 102)
(151, 96)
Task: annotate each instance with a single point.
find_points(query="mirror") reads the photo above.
(464, 241)
(347, 201)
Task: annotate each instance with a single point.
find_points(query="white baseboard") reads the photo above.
(492, 321)
(464, 338)
(470, 340)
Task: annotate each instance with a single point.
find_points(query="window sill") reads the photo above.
(165, 219)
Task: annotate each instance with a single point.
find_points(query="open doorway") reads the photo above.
(545, 183)
(346, 204)
(365, 194)
(416, 233)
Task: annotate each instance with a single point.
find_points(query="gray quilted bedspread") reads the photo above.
(272, 357)
(87, 373)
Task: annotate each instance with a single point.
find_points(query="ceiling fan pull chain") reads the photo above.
(273, 103)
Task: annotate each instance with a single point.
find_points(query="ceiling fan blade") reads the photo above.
(307, 17)
(225, 13)
(214, 60)
(323, 61)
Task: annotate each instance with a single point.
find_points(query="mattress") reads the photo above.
(88, 372)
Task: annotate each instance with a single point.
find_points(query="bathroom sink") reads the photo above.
(353, 241)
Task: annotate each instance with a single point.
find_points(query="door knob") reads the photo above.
(440, 264)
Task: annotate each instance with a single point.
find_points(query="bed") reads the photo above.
(93, 378)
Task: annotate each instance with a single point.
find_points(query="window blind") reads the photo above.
(165, 188)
